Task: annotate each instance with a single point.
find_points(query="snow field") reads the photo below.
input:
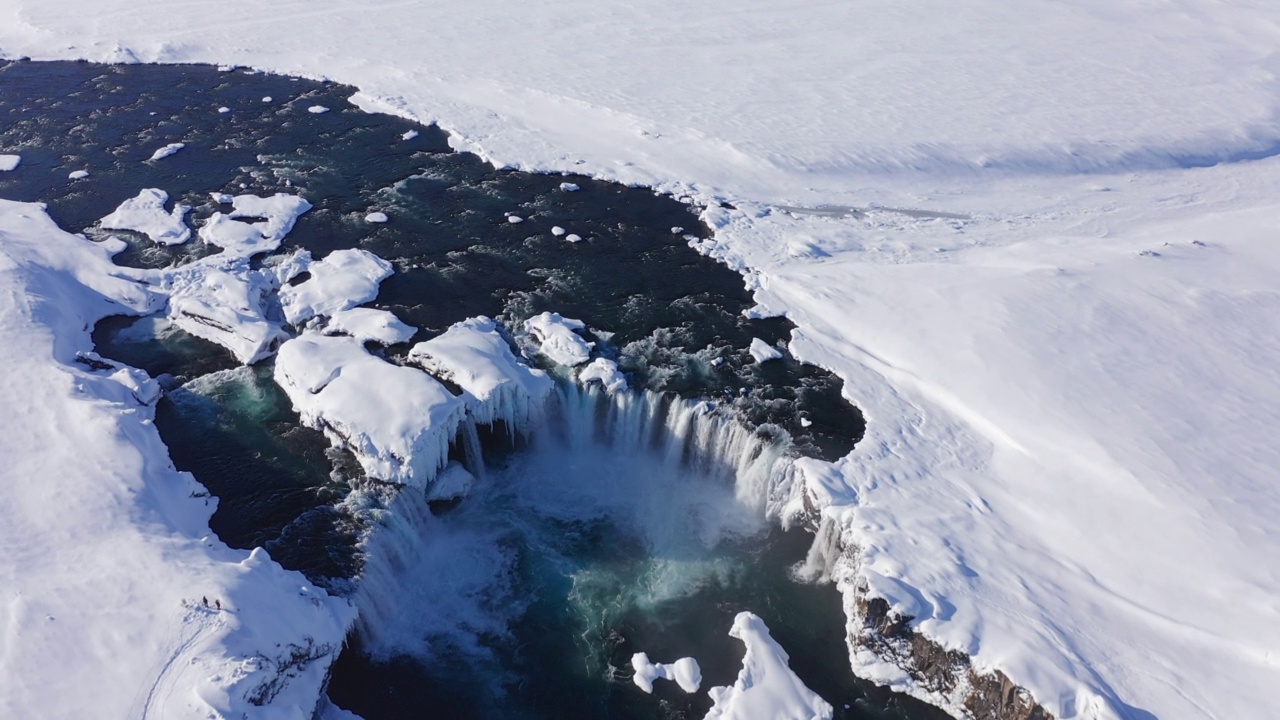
(1068, 450)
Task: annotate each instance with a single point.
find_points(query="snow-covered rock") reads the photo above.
(685, 672)
(344, 279)
(279, 211)
(398, 421)
(225, 304)
(569, 187)
(145, 213)
(376, 217)
(558, 338)
(77, 174)
(605, 372)
(9, 163)
(766, 688)
(369, 324)
(317, 109)
(498, 385)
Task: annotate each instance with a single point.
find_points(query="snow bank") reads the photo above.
(107, 547)
(558, 339)
(146, 214)
(397, 420)
(167, 150)
(343, 280)
(685, 672)
(279, 211)
(766, 689)
(473, 355)
(9, 163)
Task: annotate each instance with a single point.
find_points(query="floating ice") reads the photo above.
(409, 135)
(606, 373)
(369, 324)
(146, 214)
(376, 217)
(557, 230)
(559, 341)
(267, 99)
(685, 672)
(677, 230)
(514, 219)
(167, 150)
(343, 280)
(763, 351)
(224, 109)
(77, 174)
(9, 162)
(398, 421)
(766, 688)
(574, 238)
(569, 187)
(317, 109)
(474, 356)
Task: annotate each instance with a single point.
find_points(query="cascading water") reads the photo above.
(619, 505)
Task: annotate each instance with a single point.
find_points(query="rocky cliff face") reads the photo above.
(947, 673)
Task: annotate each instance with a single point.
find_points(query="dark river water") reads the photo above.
(528, 598)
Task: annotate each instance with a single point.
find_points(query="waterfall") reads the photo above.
(676, 475)
(691, 434)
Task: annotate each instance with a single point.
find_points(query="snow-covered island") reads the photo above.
(1035, 240)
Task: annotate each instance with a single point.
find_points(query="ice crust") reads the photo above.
(558, 338)
(1068, 460)
(766, 688)
(145, 213)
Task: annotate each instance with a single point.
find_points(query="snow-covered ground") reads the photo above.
(108, 558)
(1069, 464)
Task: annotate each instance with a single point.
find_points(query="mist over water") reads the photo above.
(622, 524)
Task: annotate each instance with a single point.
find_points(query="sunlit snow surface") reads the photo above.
(1068, 465)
